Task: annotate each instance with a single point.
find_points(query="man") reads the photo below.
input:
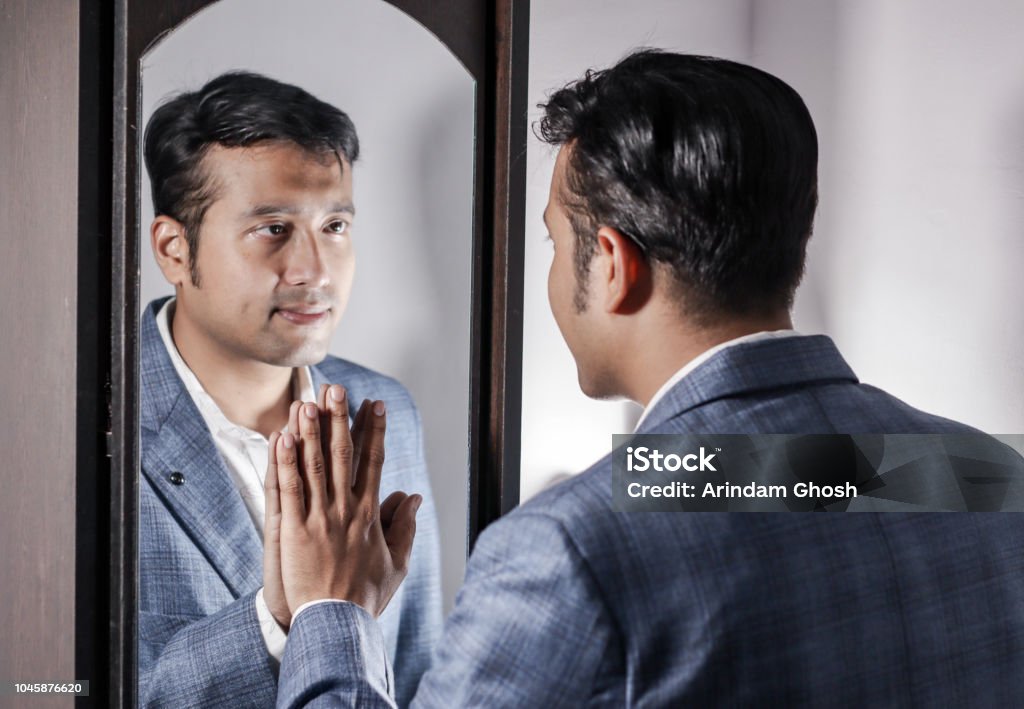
(680, 209)
(252, 190)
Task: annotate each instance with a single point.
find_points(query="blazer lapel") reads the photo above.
(174, 439)
(752, 367)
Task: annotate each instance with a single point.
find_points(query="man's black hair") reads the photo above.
(235, 110)
(709, 165)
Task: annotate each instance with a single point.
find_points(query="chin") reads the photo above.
(595, 387)
(309, 357)
(304, 355)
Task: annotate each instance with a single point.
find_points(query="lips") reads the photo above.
(304, 314)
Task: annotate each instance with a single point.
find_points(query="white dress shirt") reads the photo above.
(704, 357)
(244, 452)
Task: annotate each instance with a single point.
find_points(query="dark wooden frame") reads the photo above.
(491, 40)
(95, 545)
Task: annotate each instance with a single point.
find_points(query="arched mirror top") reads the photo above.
(454, 23)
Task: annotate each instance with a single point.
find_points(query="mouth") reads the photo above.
(304, 314)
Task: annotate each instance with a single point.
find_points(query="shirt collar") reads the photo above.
(704, 357)
(214, 417)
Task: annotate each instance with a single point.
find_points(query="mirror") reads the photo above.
(413, 105)
(915, 257)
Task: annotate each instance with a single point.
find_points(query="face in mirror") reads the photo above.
(267, 129)
(270, 283)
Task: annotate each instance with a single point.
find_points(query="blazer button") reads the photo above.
(177, 478)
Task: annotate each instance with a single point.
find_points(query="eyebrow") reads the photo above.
(263, 210)
(544, 217)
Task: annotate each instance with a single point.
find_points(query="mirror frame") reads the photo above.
(491, 41)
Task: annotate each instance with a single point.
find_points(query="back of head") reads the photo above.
(233, 110)
(709, 165)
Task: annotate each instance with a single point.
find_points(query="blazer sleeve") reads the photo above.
(529, 629)
(218, 660)
(530, 626)
(335, 656)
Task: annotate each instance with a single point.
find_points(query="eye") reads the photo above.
(271, 231)
(337, 227)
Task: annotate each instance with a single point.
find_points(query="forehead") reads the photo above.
(557, 178)
(273, 171)
(555, 192)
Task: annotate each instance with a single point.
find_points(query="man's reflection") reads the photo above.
(252, 191)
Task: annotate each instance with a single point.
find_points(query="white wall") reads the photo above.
(919, 240)
(412, 104)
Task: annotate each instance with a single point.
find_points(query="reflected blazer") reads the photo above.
(570, 602)
(201, 558)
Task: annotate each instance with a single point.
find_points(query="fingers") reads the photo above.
(371, 457)
(273, 588)
(289, 482)
(312, 457)
(325, 427)
(401, 531)
(357, 437)
(388, 507)
(270, 485)
(340, 447)
(293, 418)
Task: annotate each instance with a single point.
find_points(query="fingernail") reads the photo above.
(337, 393)
(310, 411)
(378, 408)
(288, 440)
(416, 505)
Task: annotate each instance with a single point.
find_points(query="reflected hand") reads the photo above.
(336, 540)
(273, 587)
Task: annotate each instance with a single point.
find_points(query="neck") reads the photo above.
(680, 342)
(249, 393)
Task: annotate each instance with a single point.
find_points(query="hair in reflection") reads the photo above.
(237, 109)
(709, 165)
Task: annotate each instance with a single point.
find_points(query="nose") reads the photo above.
(305, 264)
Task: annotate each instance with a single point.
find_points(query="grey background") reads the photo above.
(915, 263)
(413, 106)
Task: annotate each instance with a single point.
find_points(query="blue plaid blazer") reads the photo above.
(570, 602)
(201, 558)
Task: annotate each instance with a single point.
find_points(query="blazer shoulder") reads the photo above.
(916, 420)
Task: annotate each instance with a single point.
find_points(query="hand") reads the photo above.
(336, 540)
(273, 586)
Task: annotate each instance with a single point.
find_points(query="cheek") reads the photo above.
(551, 280)
(553, 289)
(230, 266)
(557, 292)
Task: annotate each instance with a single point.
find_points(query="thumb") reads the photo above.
(272, 522)
(272, 515)
(400, 533)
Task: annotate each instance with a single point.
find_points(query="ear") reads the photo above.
(622, 272)
(167, 236)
